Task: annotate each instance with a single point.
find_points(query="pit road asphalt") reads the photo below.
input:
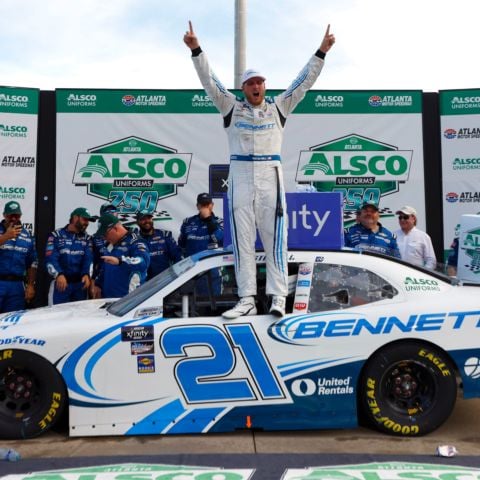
(461, 430)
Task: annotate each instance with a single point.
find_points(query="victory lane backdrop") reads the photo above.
(18, 150)
(460, 138)
(157, 150)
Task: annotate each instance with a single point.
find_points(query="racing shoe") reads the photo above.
(245, 306)
(278, 306)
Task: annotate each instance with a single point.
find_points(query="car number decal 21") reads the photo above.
(210, 377)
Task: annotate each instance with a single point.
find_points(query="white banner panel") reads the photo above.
(18, 149)
(159, 149)
(460, 130)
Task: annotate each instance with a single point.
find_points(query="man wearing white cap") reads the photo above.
(254, 127)
(415, 245)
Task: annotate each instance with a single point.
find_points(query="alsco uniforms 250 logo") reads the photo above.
(133, 174)
(362, 169)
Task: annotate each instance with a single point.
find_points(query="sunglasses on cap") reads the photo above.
(403, 217)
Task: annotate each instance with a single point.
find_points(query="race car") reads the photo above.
(366, 339)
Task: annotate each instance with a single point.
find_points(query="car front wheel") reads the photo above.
(407, 389)
(32, 394)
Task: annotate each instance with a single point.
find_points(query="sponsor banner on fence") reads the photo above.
(460, 131)
(158, 149)
(18, 149)
(314, 221)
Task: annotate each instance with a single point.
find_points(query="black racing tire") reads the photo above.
(407, 389)
(32, 395)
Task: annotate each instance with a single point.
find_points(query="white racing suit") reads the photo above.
(255, 187)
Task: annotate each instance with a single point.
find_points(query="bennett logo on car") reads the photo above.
(307, 329)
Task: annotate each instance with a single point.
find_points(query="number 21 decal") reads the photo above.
(208, 377)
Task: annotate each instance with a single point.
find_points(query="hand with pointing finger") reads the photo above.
(190, 39)
(328, 41)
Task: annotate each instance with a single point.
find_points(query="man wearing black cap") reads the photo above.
(18, 261)
(369, 234)
(254, 127)
(124, 266)
(68, 259)
(201, 232)
(163, 248)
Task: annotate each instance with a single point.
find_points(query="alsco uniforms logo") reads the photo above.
(133, 174)
(13, 130)
(362, 169)
(7, 100)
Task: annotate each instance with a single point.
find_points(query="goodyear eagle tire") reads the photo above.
(32, 394)
(407, 389)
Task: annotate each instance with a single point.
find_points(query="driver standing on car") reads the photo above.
(254, 127)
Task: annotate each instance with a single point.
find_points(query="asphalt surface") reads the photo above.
(461, 430)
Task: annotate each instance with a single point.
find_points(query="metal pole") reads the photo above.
(240, 41)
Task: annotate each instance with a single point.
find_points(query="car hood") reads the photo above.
(75, 310)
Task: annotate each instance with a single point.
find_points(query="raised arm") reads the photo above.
(220, 96)
(293, 95)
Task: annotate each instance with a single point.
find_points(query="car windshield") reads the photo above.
(145, 291)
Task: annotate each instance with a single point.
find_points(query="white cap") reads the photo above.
(407, 211)
(251, 73)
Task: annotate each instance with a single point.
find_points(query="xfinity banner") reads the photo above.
(18, 149)
(314, 221)
(460, 130)
(158, 149)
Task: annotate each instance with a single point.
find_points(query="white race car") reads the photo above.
(366, 338)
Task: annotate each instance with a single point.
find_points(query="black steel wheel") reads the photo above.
(407, 389)
(32, 394)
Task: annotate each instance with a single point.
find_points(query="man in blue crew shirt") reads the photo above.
(69, 259)
(369, 234)
(202, 232)
(18, 261)
(163, 248)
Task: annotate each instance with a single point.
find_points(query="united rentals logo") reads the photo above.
(362, 169)
(133, 174)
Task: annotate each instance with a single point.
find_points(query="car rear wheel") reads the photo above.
(407, 389)
(32, 394)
